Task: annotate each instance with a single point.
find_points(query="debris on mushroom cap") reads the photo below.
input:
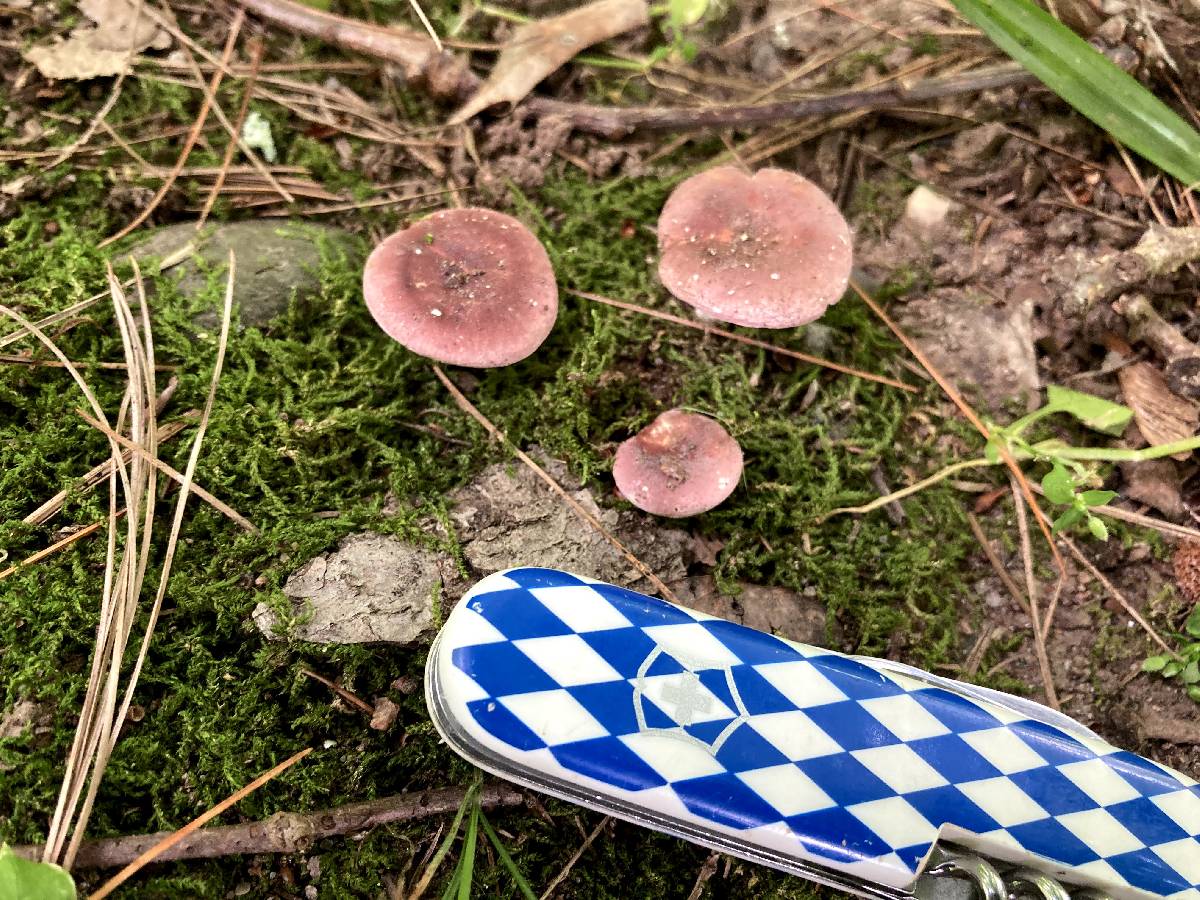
(469, 287)
(766, 251)
(681, 464)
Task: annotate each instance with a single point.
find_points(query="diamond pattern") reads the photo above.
(654, 704)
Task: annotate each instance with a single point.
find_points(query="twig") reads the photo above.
(566, 870)
(171, 840)
(284, 832)
(216, 503)
(469, 408)
(1116, 594)
(53, 548)
(742, 339)
(704, 875)
(189, 141)
(1039, 640)
(247, 93)
(1002, 573)
(940, 475)
(10, 359)
(446, 77)
(971, 416)
(91, 478)
(353, 699)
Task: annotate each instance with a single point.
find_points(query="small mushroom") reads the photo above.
(766, 251)
(469, 287)
(681, 464)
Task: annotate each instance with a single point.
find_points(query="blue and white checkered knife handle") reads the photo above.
(855, 772)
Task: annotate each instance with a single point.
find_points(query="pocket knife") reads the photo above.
(862, 774)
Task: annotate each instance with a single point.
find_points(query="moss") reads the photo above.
(310, 419)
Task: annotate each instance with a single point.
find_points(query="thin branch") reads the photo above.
(470, 409)
(742, 339)
(191, 827)
(192, 136)
(238, 122)
(284, 832)
(1002, 573)
(1116, 594)
(566, 870)
(215, 502)
(1039, 640)
(53, 548)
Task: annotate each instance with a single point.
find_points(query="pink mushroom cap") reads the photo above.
(681, 464)
(469, 287)
(765, 251)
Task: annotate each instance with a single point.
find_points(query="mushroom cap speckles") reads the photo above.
(681, 464)
(766, 251)
(469, 287)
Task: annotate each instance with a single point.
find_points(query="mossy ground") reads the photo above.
(310, 418)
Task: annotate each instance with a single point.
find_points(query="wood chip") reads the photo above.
(1161, 416)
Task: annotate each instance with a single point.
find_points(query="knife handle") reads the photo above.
(858, 773)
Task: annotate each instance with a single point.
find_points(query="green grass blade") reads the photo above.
(506, 859)
(1084, 77)
(470, 839)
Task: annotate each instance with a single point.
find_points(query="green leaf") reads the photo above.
(1098, 529)
(470, 837)
(20, 877)
(1171, 669)
(506, 859)
(1067, 519)
(1155, 663)
(1190, 673)
(1059, 485)
(1095, 412)
(1192, 625)
(683, 13)
(991, 452)
(1194, 692)
(1096, 498)
(1082, 76)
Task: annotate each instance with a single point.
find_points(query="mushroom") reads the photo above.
(681, 464)
(766, 251)
(469, 287)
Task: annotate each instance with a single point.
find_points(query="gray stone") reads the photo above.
(985, 348)
(277, 260)
(509, 517)
(372, 588)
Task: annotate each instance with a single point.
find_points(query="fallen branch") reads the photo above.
(284, 832)
(1159, 252)
(446, 77)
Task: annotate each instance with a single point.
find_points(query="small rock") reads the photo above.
(372, 588)
(507, 517)
(385, 714)
(775, 610)
(23, 714)
(979, 345)
(406, 684)
(276, 261)
(925, 210)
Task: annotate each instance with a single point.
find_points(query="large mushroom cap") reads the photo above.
(766, 251)
(681, 464)
(469, 287)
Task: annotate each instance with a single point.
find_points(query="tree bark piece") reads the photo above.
(284, 832)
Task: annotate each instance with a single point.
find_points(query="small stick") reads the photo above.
(219, 505)
(469, 408)
(353, 699)
(742, 339)
(239, 120)
(176, 837)
(284, 832)
(1039, 640)
(1116, 594)
(55, 547)
(189, 142)
(990, 552)
(93, 477)
(12, 359)
(562, 876)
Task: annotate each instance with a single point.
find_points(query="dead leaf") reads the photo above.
(1161, 416)
(122, 28)
(542, 47)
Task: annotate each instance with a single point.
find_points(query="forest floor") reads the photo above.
(323, 427)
